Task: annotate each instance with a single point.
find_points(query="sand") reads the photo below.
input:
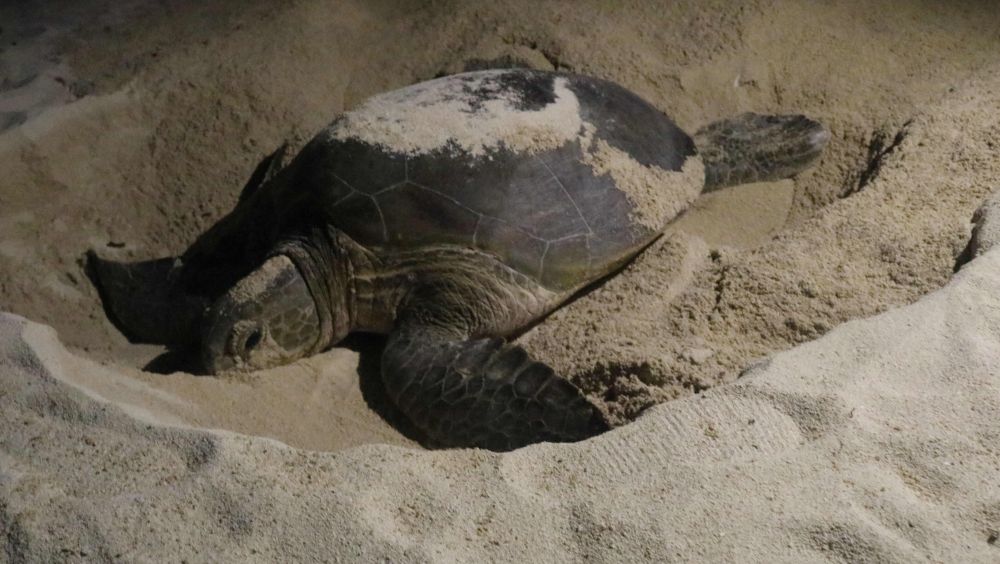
(443, 115)
(658, 196)
(130, 127)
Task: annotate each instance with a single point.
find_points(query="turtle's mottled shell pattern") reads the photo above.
(544, 213)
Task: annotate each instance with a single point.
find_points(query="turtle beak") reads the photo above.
(266, 319)
(233, 329)
(230, 325)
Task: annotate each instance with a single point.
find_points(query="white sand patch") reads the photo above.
(658, 195)
(433, 115)
(252, 286)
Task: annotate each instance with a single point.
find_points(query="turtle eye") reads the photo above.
(243, 340)
(253, 339)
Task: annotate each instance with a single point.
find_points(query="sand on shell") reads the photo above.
(440, 114)
(658, 196)
(873, 442)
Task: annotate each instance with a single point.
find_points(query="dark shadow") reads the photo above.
(142, 300)
(176, 318)
(965, 256)
(89, 262)
(175, 360)
(369, 348)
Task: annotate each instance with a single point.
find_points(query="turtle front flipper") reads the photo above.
(758, 148)
(482, 393)
(145, 302)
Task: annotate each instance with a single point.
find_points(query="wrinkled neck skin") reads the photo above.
(327, 270)
(330, 261)
(357, 290)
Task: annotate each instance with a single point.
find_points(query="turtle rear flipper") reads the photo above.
(758, 148)
(145, 302)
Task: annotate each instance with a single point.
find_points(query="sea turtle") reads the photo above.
(449, 215)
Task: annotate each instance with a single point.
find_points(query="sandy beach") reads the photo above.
(795, 371)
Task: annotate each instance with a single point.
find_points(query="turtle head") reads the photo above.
(266, 319)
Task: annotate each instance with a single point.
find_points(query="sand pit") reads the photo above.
(130, 128)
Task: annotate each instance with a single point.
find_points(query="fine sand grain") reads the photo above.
(129, 127)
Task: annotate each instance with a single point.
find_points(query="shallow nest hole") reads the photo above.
(624, 388)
